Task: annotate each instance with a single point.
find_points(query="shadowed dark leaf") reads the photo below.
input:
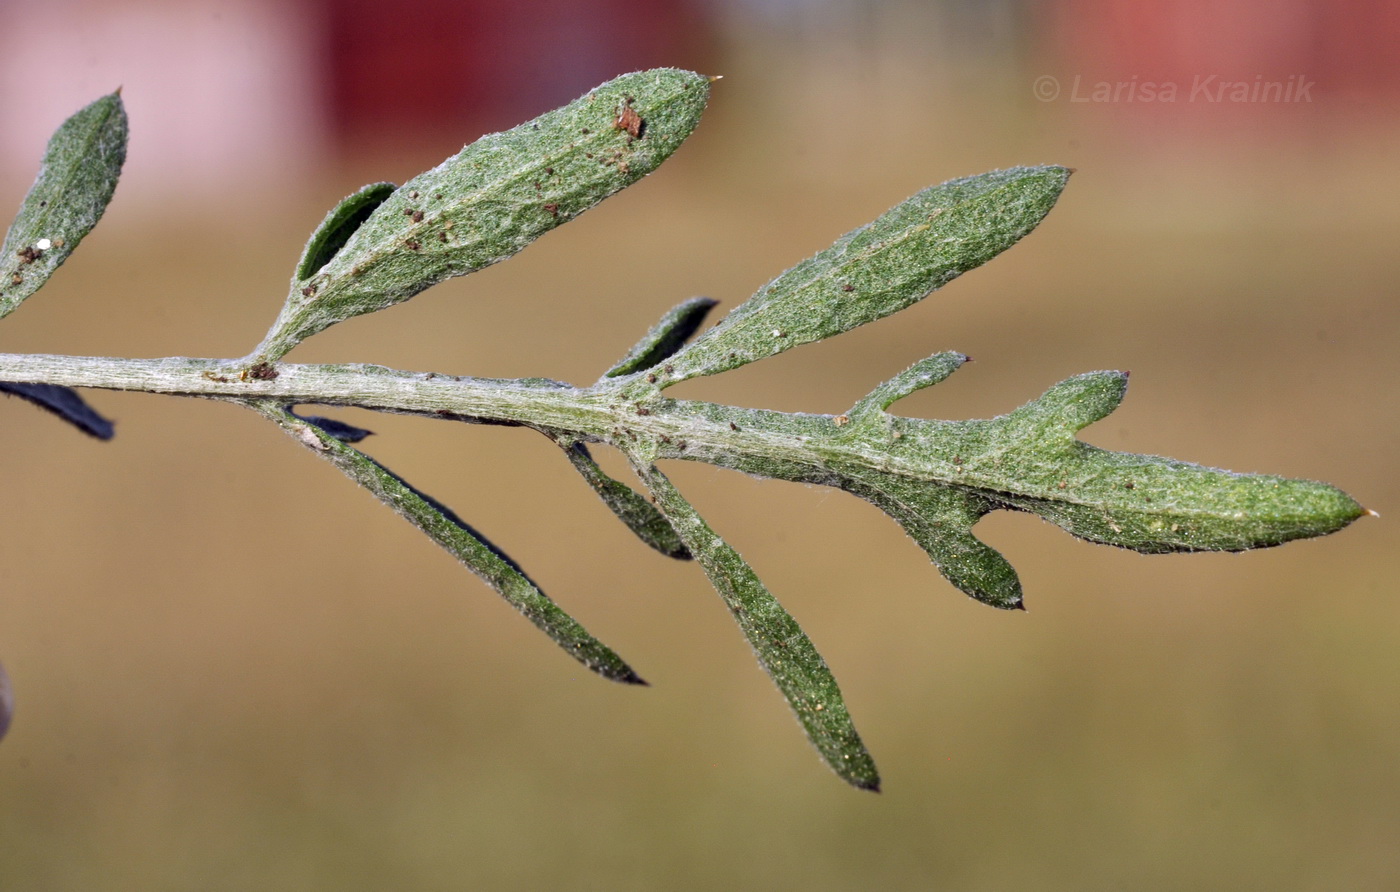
(66, 404)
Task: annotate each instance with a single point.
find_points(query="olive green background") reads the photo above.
(236, 671)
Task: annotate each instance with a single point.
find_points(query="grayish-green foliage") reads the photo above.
(935, 478)
(911, 250)
(488, 201)
(76, 181)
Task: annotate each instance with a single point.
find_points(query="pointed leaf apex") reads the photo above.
(665, 338)
(494, 197)
(1073, 404)
(76, 181)
(909, 252)
(924, 373)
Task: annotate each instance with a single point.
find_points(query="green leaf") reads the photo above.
(1142, 502)
(339, 225)
(449, 531)
(668, 336)
(940, 521)
(938, 478)
(1030, 460)
(495, 197)
(899, 259)
(630, 506)
(924, 373)
(76, 181)
(782, 648)
(66, 403)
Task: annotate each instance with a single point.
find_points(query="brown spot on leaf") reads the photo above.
(417, 216)
(629, 121)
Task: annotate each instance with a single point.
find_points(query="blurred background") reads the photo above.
(234, 670)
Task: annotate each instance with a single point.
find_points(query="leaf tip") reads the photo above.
(631, 677)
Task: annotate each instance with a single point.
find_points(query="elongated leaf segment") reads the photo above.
(630, 506)
(903, 256)
(494, 197)
(76, 181)
(458, 539)
(66, 403)
(668, 336)
(783, 649)
(924, 373)
(334, 231)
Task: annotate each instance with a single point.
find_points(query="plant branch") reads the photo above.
(1028, 460)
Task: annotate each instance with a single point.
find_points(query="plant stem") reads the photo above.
(1028, 460)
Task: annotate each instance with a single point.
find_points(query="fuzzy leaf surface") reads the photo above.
(937, 478)
(460, 540)
(630, 506)
(496, 196)
(783, 649)
(335, 230)
(665, 338)
(899, 259)
(75, 183)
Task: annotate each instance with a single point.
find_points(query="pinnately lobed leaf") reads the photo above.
(76, 181)
(903, 256)
(493, 198)
(936, 478)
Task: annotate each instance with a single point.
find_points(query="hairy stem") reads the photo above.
(1028, 460)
